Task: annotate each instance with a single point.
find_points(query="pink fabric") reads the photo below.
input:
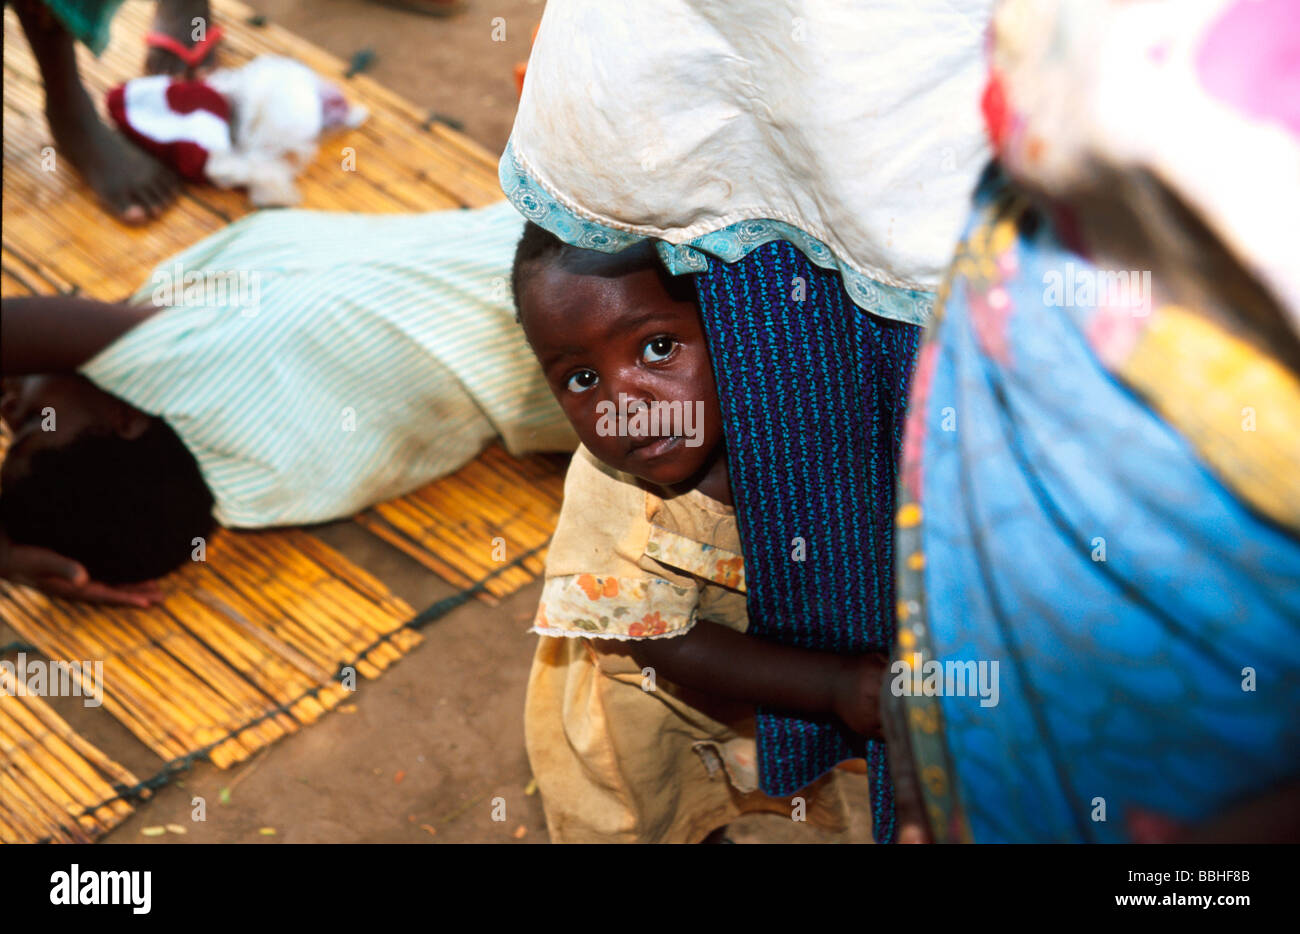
(1264, 33)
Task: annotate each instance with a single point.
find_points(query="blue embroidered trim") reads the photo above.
(729, 244)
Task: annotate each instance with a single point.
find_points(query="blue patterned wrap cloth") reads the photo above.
(813, 392)
(1145, 620)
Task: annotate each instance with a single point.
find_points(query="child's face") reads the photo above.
(607, 331)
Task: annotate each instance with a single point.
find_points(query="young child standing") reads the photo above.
(639, 717)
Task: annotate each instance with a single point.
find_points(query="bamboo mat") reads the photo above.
(487, 524)
(54, 785)
(57, 239)
(249, 644)
(246, 646)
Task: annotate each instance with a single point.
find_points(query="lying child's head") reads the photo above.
(615, 333)
(108, 486)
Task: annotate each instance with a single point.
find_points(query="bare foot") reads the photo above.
(177, 18)
(133, 185)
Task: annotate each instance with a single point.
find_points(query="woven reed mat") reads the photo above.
(485, 526)
(250, 643)
(54, 785)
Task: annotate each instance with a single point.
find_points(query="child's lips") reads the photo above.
(652, 448)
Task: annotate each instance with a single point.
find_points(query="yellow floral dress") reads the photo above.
(621, 755)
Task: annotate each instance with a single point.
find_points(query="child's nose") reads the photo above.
(630, 399)
(632, 385)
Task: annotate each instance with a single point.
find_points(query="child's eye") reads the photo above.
(658, 349)
(581, 381)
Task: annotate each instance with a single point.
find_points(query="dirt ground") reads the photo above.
(431, 743)
(421, 757)
(460, 67)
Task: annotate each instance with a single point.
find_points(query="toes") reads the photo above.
(166, 187)
(134, 215)
(157, 197)
(149, 202)
(163, 197)
(155, 189)
(132, 207)
(124, 206)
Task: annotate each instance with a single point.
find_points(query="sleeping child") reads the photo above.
(639, 717)
(293, 368)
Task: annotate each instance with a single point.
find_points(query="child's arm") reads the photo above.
(716, 660)
(58, 333)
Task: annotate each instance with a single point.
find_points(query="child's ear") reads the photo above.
(130, 423)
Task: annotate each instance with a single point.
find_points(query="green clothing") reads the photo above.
(316, 363)
(87, 20)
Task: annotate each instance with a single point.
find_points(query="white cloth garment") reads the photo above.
(856, 122)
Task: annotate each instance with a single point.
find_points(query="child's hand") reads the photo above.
(857, 695)
(58, 576)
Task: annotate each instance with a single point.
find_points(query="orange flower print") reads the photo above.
(727, 572)
(597, 587)
(652, 624)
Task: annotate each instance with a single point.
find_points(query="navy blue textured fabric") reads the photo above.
(813, 393)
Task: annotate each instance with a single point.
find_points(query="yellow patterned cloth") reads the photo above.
(620, 755)
(1239, 407)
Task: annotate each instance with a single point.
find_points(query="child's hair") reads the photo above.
(538, 245)
(127, 509)
(535, 245)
